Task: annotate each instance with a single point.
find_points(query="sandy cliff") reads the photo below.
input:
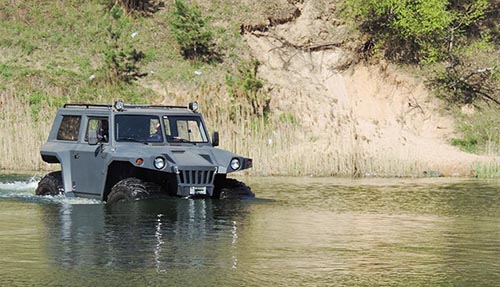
(377, 113)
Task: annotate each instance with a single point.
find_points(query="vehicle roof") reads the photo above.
(128, 109)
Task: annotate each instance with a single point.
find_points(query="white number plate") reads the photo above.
(193, 190)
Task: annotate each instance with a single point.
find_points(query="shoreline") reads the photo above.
(41, 173)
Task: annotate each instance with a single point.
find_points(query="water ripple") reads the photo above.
(298, 232)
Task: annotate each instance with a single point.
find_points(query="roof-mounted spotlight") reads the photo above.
(193, 106)
(119, 105)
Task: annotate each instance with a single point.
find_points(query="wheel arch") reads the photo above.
(117, 170)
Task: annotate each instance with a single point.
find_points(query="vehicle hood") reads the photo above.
(199, 157)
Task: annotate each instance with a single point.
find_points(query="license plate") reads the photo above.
(194, 190)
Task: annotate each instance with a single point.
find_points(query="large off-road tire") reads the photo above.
(50, 184)
(131, 189)
(231, 188)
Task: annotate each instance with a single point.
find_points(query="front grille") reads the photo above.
(196, 177)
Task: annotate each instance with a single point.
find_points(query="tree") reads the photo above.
(191, 32)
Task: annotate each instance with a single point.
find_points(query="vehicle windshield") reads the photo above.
(185, 129)
(138, 128)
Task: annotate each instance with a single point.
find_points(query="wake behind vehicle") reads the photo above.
(128, 152)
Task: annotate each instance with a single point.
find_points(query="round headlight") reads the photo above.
(159, 163)
(235, 163)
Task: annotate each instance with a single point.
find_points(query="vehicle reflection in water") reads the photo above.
(169, 233)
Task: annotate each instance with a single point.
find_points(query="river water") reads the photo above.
(297, 232)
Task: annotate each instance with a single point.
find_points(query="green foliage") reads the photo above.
(120, 57)
(457, 36)
(245, 86)
(416, 30)
(466, 13)
(192, 32)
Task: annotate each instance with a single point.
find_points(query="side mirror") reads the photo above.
(215, 139)
(93, 138)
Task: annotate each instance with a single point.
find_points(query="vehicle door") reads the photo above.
(89, 161)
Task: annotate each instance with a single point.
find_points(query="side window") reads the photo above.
(69, 128)
(100, 126)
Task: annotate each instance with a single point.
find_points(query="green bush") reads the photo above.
(192, 32)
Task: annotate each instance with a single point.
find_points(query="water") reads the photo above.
(298, 232)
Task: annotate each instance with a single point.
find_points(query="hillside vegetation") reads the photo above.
(305, 87)
(456, 41)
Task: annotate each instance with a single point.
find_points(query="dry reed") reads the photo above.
(277, 146)
(20, 134)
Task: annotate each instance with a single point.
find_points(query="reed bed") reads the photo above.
(278, 146)
(490, 169)
(20, 134)
(487, 170)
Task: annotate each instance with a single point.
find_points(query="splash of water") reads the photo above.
(25, 190)
(29, 185)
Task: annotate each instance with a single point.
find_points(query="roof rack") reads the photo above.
(87, 106)
(126, 106)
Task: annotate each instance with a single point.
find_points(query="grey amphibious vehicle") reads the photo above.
(128, 152)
